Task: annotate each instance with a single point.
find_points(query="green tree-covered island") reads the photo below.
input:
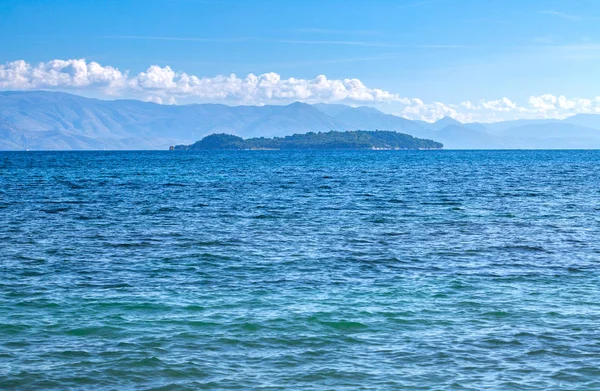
(358, 139)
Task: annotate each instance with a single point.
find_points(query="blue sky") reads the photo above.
(439, 54)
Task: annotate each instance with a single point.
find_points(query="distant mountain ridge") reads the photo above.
(65, 121)
(38, 120)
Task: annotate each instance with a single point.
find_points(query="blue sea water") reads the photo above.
(379, 270)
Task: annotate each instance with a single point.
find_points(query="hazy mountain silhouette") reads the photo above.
(65, 121)
(57, 120)
(369, 118)
(442, 123)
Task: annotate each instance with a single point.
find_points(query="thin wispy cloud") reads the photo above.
(389, 56)
(294, 64)
(287, 41)
(419, 3)
(326, 42)
(316, 30)
(486, 20)
(246, 39)
(185, 39)
(367, 43)
(568, 16)
(563, 15)
(256, 40)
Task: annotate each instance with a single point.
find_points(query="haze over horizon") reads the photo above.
(421, 60)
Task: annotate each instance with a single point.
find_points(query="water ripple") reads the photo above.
(300, 270)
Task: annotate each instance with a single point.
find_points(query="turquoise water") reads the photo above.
(385, 270)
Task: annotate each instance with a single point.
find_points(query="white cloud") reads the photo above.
(253, 89)
(164, 85)
(563, 15)
(537, 107)
(503, 104)
(160, 101)
(154, 99)
(19, 75)
(543, 102)
(417, 109)
(550, 106)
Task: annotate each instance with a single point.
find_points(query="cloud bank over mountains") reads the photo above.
(165, 86)
(162, 83)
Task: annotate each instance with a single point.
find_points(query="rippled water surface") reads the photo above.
(449, 270)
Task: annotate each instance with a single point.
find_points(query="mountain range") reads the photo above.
(42, 120)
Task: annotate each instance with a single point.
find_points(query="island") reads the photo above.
(349, 140)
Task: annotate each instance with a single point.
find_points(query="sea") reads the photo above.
(308, 270)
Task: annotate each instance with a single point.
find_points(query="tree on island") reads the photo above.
(358, 139)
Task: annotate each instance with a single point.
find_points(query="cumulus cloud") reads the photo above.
(416, 109)
(253, 89)
(20, 75)
(163, 85)
(537, 107)
(551, 106)
(503, 104)
(556, 105)
(154, 99)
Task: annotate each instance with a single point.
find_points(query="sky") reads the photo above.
(474, 60)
